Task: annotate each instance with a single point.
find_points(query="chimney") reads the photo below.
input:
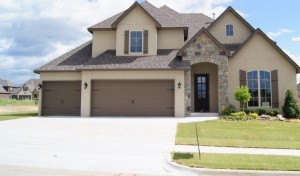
(214, 16)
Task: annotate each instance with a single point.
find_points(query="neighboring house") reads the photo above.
(3, 93)
(148, 61)
(8, 88)
(29, 90)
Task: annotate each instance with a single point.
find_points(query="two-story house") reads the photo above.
(29, 90)
(149, 61)
(7, 89)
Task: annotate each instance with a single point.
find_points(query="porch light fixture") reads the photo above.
(40, 86)
(85, 85)
(179, 85)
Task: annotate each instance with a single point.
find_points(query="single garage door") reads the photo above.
(61, 98)
(133, 98)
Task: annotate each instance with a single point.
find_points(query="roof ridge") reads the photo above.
(162, 12)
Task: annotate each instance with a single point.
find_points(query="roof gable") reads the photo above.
(205, 31)
(230, 9)
(126, 12)
(159, 17)
(271, 42)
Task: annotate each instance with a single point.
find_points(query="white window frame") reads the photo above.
(138, 53)
(258, 86)
(232, 30)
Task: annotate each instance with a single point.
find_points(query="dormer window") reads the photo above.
(136, 41)
(229, 30)
(25, 88)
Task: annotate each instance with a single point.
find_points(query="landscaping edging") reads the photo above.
(229, 172)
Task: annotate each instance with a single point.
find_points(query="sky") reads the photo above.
(33, 32)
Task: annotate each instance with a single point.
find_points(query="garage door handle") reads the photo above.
(132, 101)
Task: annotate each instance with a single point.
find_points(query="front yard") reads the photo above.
(238, 161)
(255, 133)
(17, 115)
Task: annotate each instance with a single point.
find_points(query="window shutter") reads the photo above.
(243, 82)
(145, 42)
(243, 79)
(126, 42)
(275, 96)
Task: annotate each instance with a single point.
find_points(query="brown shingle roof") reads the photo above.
(162, 19)
(195, 21)
(80, 59)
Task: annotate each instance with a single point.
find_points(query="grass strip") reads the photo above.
(238, 161)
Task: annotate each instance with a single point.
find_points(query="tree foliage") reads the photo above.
(290, 108)
(242, 95)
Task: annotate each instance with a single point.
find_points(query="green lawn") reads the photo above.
(262, 134)
(238, 161)
(4, 102)
(17, 115)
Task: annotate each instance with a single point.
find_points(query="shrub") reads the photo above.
(241, 115)
(290, 108)
(275, 112)
(253, 115)
(228, 109)
(242, 95)
(261, 111)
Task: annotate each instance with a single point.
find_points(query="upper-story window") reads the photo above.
(25, 88)
(259, 85)
(136, 41)
(229, 30)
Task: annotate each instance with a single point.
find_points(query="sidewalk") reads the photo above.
(234, 150)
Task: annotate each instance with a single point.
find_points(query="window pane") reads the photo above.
(136, 41)
(255, 84)
(249, 75)
(254, 74)
(139, 42)
(139, 34)
(262, 93)
(133, 41)
(199, 79)
(203, 80)
(255, 93)
(262, 84)
(268, 93)
(268, 85)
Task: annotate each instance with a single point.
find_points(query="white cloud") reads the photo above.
(36, 32)
(272, 35)
(296, 39)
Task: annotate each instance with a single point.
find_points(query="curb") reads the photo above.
(226, 172)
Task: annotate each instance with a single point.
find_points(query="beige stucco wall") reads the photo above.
(57, 76)
(240, 31)
(212, 71)
(88, 76)
(170, 39)
(137, 20)
(258, 54)
(102, 41)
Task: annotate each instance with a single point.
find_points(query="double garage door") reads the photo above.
(111, 98)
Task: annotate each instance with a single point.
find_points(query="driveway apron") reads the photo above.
(128, 145)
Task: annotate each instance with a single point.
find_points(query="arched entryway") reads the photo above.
(204, 87)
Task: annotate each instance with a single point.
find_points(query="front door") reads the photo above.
(201, 93)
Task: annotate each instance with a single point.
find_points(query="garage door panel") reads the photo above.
(133, 98)
(61, 98)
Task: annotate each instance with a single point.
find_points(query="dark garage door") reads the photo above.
(133, 98)
(61, 98)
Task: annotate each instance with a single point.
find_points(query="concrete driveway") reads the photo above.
(112, 145)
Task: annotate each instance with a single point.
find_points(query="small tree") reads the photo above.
(290, 108)
(242, 95)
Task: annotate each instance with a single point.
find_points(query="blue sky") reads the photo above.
(33, 33)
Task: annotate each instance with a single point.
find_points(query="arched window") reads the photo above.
(229, 30)
(259, 84)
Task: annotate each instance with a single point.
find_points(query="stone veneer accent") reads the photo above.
(204, 49)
